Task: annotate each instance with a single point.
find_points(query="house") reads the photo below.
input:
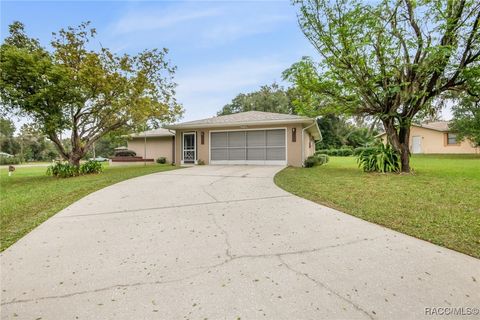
(253, 137)
(435, 137)
(153, 144)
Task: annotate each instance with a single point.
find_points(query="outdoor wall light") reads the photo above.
(294, 134)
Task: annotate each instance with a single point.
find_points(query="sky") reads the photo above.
(221, 48)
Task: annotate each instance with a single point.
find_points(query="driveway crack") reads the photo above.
(324, 286)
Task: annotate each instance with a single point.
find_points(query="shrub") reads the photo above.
(66, 170)
(310, 162)
(91, 167)
(380, 159)
(125, 153)
(343, 152)
(63, 170)
(357, 151)
(10, 160)
(200, 162)
(322, 158)
(162, 160)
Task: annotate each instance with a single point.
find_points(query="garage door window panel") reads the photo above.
(250, 145)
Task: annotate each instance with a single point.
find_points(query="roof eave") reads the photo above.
(236, 124)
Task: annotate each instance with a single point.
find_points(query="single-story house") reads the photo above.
(153, 144)
(252, 137)
(435, 137)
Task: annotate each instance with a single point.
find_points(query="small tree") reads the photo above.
(85, 94)
(390, 60)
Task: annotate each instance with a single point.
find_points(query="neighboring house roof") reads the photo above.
(441, 126)
(246, 118)
(160, 132)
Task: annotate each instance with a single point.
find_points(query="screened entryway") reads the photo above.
(248, 147)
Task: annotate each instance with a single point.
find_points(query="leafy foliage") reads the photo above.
(380, 159)
(343, 152)
(318, 159)
(90, 167)
(162, 160)
(310, 162)
(10, 160)
(466, 119)
(388, 59)
(89, 93)
(62, 169)
(271, 98)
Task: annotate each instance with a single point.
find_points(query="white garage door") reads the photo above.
(248, 147)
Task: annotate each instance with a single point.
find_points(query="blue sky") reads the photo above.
(221, 48)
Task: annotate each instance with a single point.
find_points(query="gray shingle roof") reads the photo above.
(160, 132)
(249, 117)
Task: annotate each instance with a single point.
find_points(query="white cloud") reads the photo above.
(150, 20)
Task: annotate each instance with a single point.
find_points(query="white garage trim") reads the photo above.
(251, 162)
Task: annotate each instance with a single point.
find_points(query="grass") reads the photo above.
(30, 197)
(439, 203)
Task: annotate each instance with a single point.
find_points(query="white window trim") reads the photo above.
(248, 162)
(194, 133)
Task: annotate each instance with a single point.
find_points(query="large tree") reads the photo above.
(271, 98)
(84, 93)
(390, 59)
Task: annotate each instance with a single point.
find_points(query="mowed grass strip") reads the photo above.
(439, 203)
(30, 197)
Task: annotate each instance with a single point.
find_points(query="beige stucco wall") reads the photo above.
(436, 142)
(156, 147)
(294, 155)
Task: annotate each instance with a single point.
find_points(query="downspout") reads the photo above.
(315, 123)
(174, 156)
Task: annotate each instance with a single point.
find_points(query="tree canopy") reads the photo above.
(466, 119)
(389, 59)
(84, 93)
(270, 98)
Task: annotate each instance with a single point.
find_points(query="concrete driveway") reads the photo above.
(218, 242)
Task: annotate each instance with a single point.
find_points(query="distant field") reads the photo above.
(439, 203)
(30, 197)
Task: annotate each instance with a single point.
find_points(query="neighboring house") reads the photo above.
(435, 137)
(159, 143)
(252, 137)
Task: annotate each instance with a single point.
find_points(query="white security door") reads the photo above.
(189, 147)
(416, 144)
(249, 147)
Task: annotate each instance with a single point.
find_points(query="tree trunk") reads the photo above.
(400, 141)
(75, 156)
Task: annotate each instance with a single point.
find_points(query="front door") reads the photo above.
(416, 144)
(189, 147)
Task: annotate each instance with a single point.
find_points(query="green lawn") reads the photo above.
(30, 197)
(440, 203)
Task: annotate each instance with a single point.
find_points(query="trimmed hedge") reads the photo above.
(343, 152)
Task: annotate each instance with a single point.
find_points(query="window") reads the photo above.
(451, 138)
